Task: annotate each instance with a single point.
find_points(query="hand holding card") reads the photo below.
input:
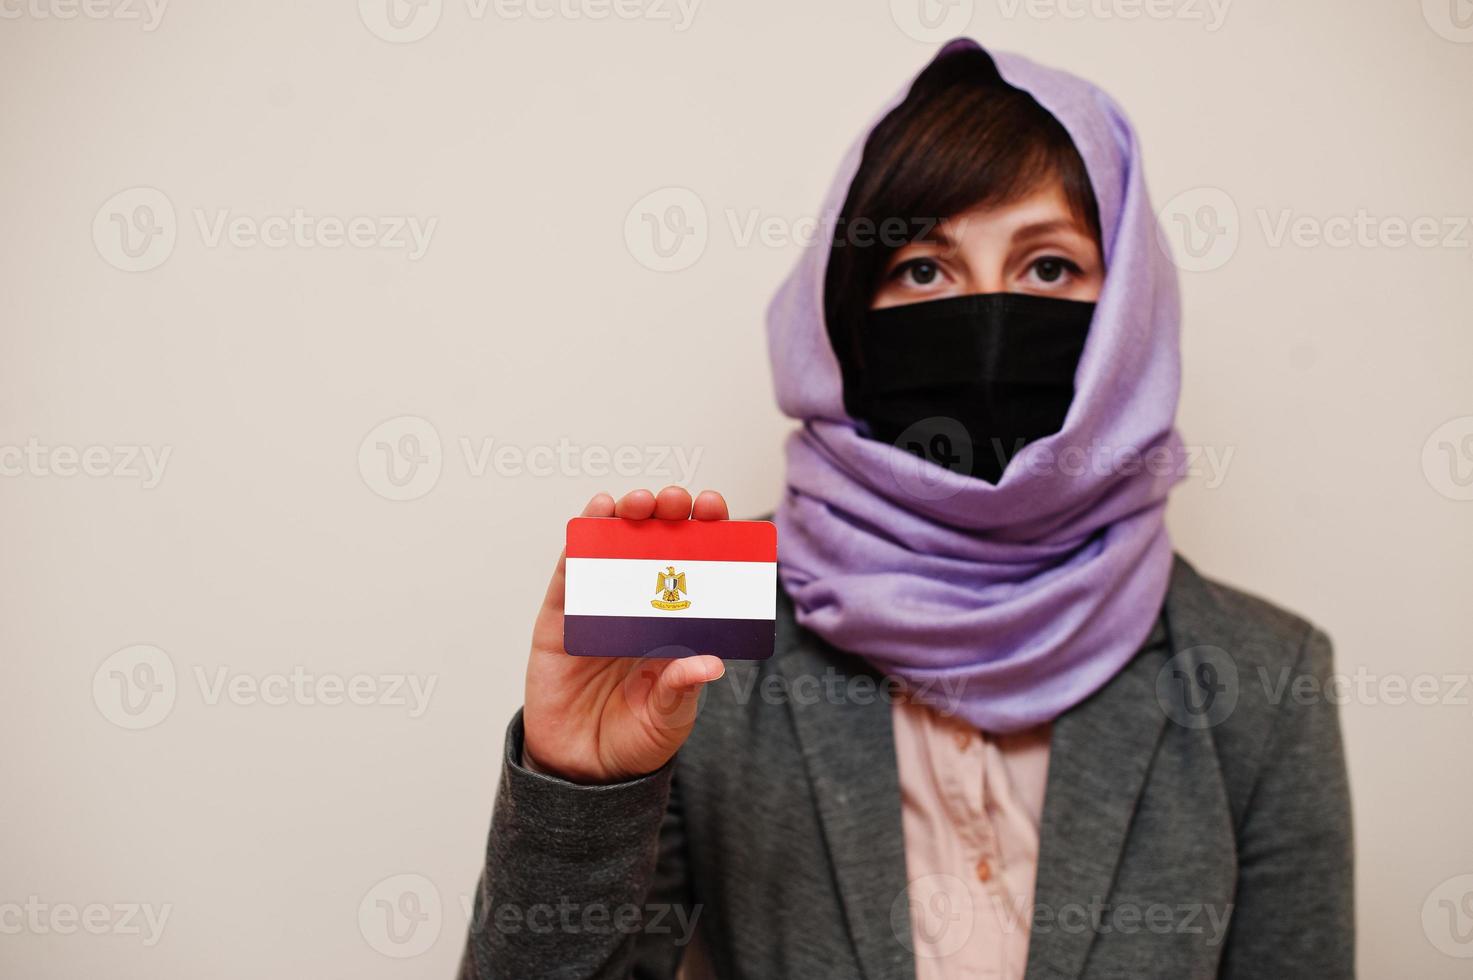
(598, 718)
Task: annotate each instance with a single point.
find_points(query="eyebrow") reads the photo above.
(1041, 228)
(938, 234)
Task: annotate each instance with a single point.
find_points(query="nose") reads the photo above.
(984, 280)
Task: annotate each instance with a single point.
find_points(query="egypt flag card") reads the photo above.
(658, 588)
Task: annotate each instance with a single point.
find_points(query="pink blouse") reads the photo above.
(970, 807)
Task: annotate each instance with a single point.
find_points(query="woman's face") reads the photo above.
(1032, 245)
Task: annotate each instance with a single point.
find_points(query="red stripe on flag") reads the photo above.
(615, 537)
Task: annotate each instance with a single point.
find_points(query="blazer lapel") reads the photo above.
(1100, 755)
(849, 753)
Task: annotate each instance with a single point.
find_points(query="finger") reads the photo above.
(600, 505)
(689, 673)
(709, 506)
(673, 504)
(636, 505)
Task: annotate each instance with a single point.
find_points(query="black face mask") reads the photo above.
(967, 382)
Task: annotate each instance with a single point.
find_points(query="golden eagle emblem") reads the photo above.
(669, 584)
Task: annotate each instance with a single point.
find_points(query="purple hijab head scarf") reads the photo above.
(1022, 599)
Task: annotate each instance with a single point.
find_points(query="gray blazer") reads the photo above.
(1196, 824)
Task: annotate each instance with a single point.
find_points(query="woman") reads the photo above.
(1005, 732)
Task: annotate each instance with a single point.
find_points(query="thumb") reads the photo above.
(672, 692)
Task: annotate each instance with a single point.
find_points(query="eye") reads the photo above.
(1052, 268)
(917, 272)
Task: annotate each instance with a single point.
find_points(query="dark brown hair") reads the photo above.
(962, 138)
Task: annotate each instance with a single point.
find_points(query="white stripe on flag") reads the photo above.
(717, 589)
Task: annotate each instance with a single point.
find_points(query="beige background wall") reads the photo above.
(170, 635)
